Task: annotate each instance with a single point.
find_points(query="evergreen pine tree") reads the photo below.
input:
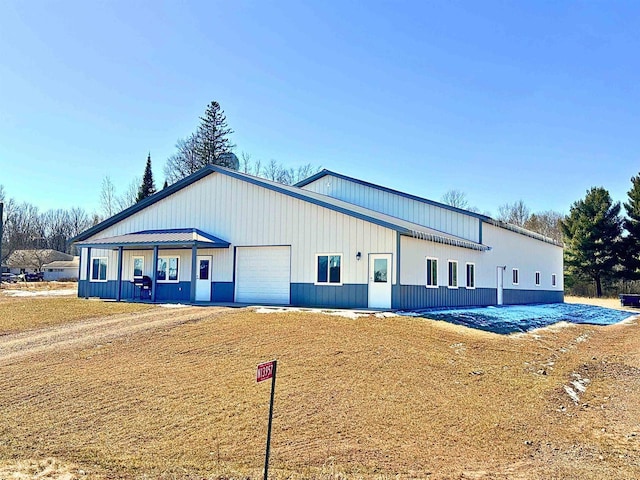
(592, 236)
(209, 145)
(631, 243)
(166, 184)
(213, 137)
(147, 188)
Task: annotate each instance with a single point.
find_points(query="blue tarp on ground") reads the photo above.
(521, 318)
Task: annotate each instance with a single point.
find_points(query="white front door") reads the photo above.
(500, 284)
(380, 280)
(203, 278)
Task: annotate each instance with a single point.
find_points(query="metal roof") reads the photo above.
(326, 172)
(484, 218)
(31, 257)
(180, 237)
(402, 226)
(75, 263)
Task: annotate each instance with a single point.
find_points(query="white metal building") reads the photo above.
(331, 241)
(61, 270)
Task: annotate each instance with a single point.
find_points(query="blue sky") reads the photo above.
(502, 100)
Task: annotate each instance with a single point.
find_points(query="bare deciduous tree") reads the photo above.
(455, 198)
(546, 223)
(516, 213)
(25, 228)
(108, 200)
(130, 195)
(185, 161)
(209, 145)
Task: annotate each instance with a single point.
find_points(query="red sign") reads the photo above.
(265, 371)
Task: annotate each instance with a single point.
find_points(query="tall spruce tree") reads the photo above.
(209, 145)
(213, 137)
(148, 187)
(631, 243)
(592, 237)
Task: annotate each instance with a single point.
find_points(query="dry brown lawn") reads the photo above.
(26, 313)
(367, 398)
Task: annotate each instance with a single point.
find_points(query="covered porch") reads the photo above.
(176, 264)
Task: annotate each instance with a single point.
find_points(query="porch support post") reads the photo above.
(119, 286)
(194, 265)
(154, 272)
(88, 269)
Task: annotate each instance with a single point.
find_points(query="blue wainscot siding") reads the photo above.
(410, 297)
(518, 297)
(98, 289)
(165, 292)
(173, 292)
(327, 296)
(222, 292)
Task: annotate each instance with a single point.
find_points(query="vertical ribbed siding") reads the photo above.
(98, 289)
(410, 297)
(222, 291)
(398, 205)
(173, 292)
(517, 297)
(344, 296)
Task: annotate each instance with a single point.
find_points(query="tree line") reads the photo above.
(546, 223)
(26, 227)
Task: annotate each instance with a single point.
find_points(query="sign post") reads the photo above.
(1, 227)
(267, 371)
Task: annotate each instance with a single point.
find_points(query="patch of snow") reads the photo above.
(173, 305)
(385, 315)
(351, 314)
(41, 293)
(276, 310)
(346, 314)
(572, 393)
(580, 386)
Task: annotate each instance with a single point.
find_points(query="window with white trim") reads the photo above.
(138, 266)
(453, 274)
(553, 279)
(99, 269)
(537, 279)
(471, 275)
(167, 270)
(329, 269)
(432, 272)
(515, 276)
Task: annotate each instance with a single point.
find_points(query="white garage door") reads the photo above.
(263, 275)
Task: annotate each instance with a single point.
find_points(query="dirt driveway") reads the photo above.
(95, 330)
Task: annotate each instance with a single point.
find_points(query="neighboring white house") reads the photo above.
(61, 270)
(331, 241)
(33, 260)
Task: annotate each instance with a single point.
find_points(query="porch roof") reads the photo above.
(175, 238)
